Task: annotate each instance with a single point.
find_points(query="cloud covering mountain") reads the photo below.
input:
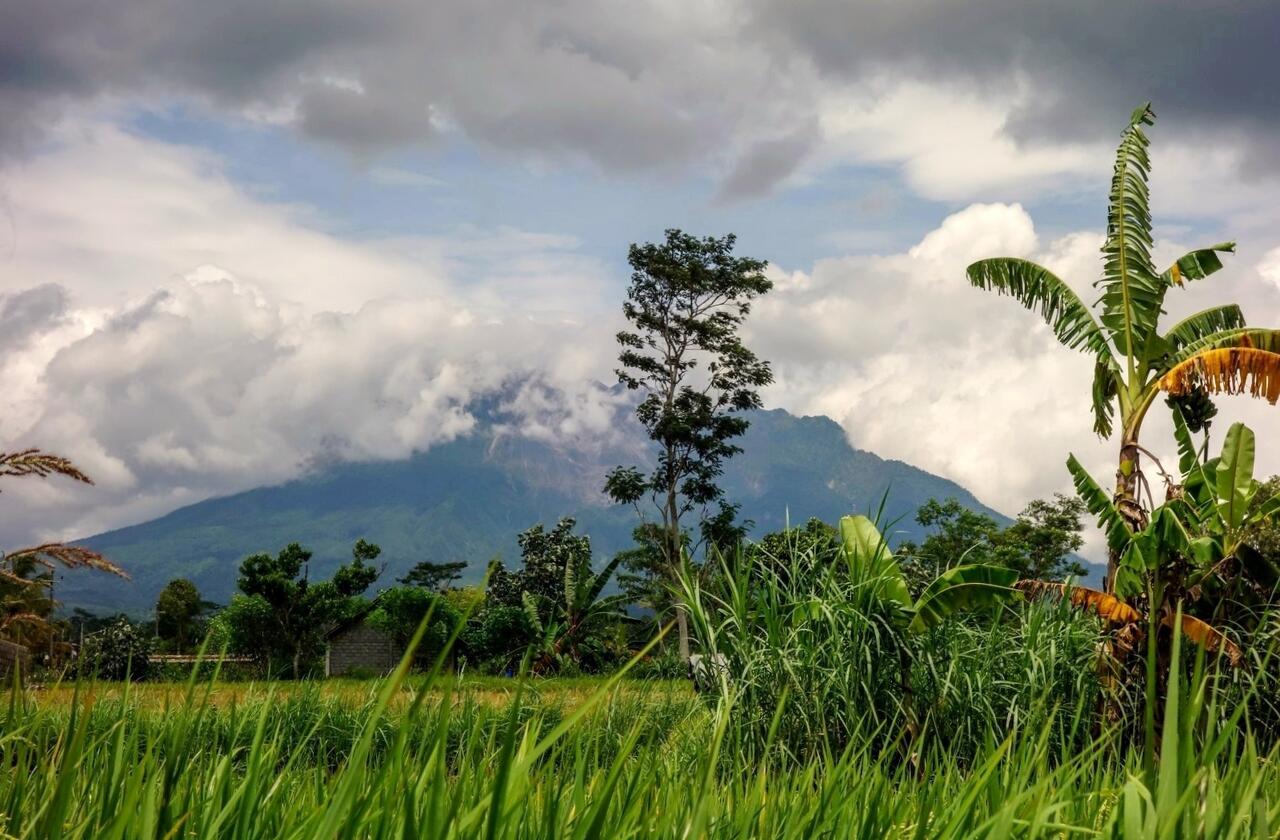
(240, 239)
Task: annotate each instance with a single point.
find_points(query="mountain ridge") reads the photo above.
(469, 498)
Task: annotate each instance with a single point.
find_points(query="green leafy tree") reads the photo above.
(544, 556)
(777, 553)
(687, 299)
(1206, 353)
(434, 576)
(178, 611)
(1039, 544)
(401, 609)
(642, 572)
(284, 613)
(119, 650)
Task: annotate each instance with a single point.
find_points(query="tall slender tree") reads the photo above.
(687, 300)
(1210, 352)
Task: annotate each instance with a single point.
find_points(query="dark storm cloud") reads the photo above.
(637, 86)
(30, 313)
(1201, 62)
(561, 79)
(766, 163)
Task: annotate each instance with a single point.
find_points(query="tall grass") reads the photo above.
(816, 659)
(625, 762)
(827, 722)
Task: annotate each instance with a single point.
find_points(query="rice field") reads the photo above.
(432, 756)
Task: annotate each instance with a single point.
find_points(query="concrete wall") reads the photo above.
(361, 647)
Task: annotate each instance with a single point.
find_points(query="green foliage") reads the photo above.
(119, 651)
(178, 611)
(496, 637)
(687, 300)
(1100, 505)
(1263, 535)
(833, 651)
(1039, 544)
(401, 609)
(434, 576)
(1206, 540)
(283, 615)
(1133, 362)
(961, 588)
(642, 575)
(577, 630)
(546, 556)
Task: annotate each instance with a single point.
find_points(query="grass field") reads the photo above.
(415, 757)
(491, 692)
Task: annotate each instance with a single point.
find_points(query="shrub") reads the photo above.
(496, 637)
(817, 659)
(117, 652)
(402, 608)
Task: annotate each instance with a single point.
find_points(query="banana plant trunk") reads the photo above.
(1127, 500)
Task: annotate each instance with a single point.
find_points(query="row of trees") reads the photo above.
(683, 355)
(555, 607)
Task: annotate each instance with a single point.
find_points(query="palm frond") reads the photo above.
(1107, 607)
(1100, 505)
(1257, 337)
(968, 587)
(531, 612)
(1227, 370)
(601, 580)
(1204, 324)
(869, 557)
(1207, 636)
(1106, 384)
(1188, 455)
(1039, 290)
(1132, 294)
(1197, 265)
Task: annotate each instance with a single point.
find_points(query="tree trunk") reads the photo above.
(682, 629)
(1126, 500)
(297, 663)
(674, 557)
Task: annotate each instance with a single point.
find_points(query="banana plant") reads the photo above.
(1217, 501)
(965, 587)
(1189, 548)
(1210, 352)
(565, 627)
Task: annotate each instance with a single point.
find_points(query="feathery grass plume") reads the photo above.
(41, 464)
(22, 618)
(70, 556)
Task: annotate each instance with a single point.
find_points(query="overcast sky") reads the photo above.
(236, 237)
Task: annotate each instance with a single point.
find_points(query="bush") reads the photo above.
(804, 630)
(663, 665)
(401, 609)
(119, 651)
(496, 637)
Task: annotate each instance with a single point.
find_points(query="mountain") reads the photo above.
(467, 500)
